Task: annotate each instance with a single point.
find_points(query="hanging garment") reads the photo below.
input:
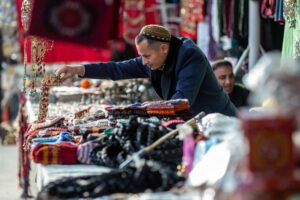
(279, 12)
(291, 40)
(192, 12)
(289, 12)
(138, 13)
(267, 8)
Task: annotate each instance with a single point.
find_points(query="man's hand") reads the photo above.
(69, 72)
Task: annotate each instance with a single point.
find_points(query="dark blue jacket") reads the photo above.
(187, 74)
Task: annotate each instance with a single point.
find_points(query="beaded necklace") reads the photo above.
(49, 80)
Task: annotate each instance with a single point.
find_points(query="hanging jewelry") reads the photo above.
(25, 19)
(50, 80)
(39, 47)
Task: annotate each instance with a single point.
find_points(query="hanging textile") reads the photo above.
(77, 21)
(62, 51)
(267, 8)
(133, 19)
(290, 12)
(213, 24)
(279, 11)
(291, 39)
(136, 14)
(192, 12)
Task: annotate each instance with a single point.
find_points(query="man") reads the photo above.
(176, 67)
(224, 74)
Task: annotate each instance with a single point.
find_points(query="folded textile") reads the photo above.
(84, 150)
(55, 153)
(62, 137)
(50, 122)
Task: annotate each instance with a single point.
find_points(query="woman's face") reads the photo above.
(154, 56)
(225, 77)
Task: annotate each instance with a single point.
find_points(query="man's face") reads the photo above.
(225, 77)
(153, 56)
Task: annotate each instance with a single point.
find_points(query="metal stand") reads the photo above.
(254, 48)
(254, 32)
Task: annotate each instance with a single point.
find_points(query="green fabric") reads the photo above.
(291, 37)
(108, 131)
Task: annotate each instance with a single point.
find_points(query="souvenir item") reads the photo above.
(270, 144)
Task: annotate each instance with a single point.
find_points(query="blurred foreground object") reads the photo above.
(276, 84)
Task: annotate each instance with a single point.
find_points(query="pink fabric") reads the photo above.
(188, 153)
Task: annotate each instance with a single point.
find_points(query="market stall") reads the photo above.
(94, 143)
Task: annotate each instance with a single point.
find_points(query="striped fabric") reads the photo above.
(55, 153)
(149, 108)
(84, 150)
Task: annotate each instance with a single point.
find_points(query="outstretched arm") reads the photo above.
(129, 69)
(69, 72)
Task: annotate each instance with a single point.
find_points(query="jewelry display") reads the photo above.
(38, 49)
(25, 18)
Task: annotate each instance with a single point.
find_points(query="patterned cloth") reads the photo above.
(149, 108)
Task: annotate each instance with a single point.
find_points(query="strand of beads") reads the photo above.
(49, 81)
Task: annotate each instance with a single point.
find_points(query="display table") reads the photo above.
(48, 173)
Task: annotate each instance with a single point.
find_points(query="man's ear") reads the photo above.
(164, 47)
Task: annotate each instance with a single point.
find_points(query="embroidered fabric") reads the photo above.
(289, 12)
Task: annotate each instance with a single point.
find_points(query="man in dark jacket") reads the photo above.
(238, 94)
(177, 68)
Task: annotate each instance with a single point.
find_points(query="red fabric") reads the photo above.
(136, 14)
(58, 153)
(194, 13)
(63, 51)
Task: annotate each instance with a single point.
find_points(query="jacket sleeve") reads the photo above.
(128, 69)
(191, 73)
